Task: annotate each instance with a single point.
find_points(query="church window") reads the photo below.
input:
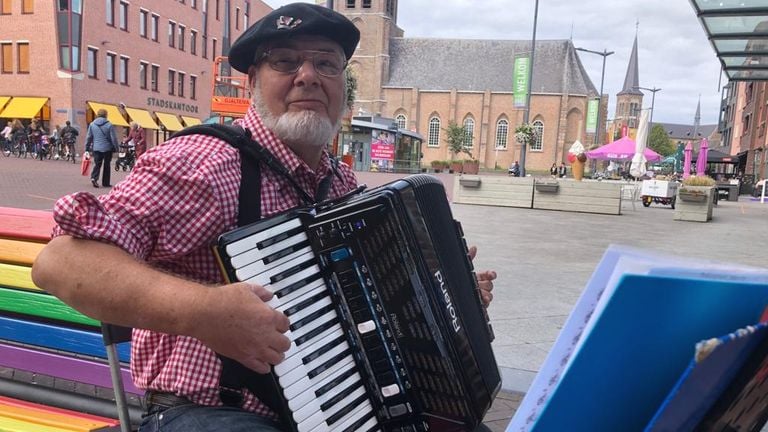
(469, 130)
(434, 132)
(502, 129)
(401, 121)
(538, 145)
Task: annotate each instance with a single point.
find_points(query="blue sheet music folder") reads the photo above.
(640, 345)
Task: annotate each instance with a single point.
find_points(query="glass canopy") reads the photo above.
(738, 31)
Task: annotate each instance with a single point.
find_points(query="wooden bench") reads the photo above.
(50, 353)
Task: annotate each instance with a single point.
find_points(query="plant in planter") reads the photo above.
(696, 188)
(471, 166)
(438, 165)
(525, 134)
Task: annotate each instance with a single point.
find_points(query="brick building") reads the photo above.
(147, 61)
(425, 83)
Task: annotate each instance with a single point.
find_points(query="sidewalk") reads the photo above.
(543, 258)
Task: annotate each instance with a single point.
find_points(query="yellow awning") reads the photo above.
(170, 121)
(142, 117)
(191, 121)
(113, 114)
(4, 100)
(23, 107)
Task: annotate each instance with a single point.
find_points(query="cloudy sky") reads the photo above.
(674, 53)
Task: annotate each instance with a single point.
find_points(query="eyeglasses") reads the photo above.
(287, 60)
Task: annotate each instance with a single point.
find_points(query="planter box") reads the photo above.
(493, 190)
(547, 187)
(692, 197)
(696, 206)
(471, 167)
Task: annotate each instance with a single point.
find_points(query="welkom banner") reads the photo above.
(520, 91)
(592, 110)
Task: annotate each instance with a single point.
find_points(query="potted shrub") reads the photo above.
(438, 165)
(696, 189)
(456, 166)
(471, 166)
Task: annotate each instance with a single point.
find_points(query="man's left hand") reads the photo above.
(484, 280)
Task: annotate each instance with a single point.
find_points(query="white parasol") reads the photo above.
(637, 168)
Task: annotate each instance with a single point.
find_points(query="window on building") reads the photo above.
(154, 76)
(22, 55)
(217, 9)
(366, 4)
(214, 43)
(192, 87)
(204, 44)
(171, 34)
(111, 67)
(143, 66)
(538, 145)
(110, 5)
(93, 55)
(246, 15)
(502, 129)
(182, 36)
(193, 3)
(69, 18)
(171, 81)
(27, 6)
(350, 4)
(6, 50)
(237, 18)
(182, 75)
(434, 132)
(143, 18)
(401, 121)
(123, 70)
(123, 16)
(469, 130)
(390, 7)
(5, 7)
(193, 42)
(155, 26)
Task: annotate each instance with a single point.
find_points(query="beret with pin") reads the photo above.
(292, 20)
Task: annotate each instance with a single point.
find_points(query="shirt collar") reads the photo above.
(295, 165)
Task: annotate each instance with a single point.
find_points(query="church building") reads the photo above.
(426, 83)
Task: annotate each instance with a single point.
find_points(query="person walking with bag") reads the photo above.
(138, 136)
(101, 141)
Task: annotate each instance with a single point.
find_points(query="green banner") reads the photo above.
(592, 110)
(520, 91)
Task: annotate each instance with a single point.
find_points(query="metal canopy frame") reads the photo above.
(738, 32)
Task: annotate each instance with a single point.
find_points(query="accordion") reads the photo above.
(387, 327)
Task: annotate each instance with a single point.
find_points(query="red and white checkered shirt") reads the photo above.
(169, 212)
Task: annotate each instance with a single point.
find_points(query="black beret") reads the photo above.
(290, 20)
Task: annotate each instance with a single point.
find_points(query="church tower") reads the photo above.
(377, 22)
(629, 100)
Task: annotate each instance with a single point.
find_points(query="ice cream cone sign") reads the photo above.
(577, 157)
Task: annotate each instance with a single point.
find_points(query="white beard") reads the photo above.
(296, 128)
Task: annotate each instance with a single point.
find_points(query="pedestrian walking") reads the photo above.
(101, 141)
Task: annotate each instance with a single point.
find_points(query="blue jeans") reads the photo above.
(196, 418)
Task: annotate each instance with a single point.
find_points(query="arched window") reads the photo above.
(538, 145)
(469, 129)
(434, 132)
(401, 121)
(502, 129)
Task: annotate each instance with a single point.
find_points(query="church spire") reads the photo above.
(632, 79)
(697, 120)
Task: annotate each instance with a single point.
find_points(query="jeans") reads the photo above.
(196, 418)
(98, 159)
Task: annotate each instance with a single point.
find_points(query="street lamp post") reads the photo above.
(527, 113)
(605, 54)
(653, 100)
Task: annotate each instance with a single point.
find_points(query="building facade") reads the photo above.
(425, 84)
(744, 112)
(147, 61)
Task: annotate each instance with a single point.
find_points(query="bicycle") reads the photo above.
(20, 147)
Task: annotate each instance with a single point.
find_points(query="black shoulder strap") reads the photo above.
(249, 196)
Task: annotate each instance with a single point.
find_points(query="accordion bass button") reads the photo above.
(390, 390)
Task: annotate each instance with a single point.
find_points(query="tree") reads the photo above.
(456, 136)
(660, 142)
(351, 87)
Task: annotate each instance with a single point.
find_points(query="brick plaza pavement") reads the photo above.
(543, 258)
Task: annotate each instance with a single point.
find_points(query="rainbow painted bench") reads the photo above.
(49, 353)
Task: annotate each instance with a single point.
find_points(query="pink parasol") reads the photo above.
(701, 160)
(621, 150)
(687, 160)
